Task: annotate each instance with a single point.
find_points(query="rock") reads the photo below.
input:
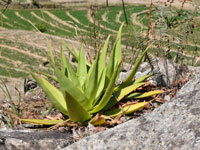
(34, 94)
(174, 126)
(166, 72)
(33, 140)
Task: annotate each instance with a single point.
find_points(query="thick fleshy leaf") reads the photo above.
(115, 57)
(119, 95)
(69, 87)
(48, 76)
(117, 46)
(63, 62)
(126, 110)
(144, 95)
(41, 122)
(133, 72)
(74, 52)
(110, 67)
(68, 69)
(112, 102)
(108, 93)
(142, 79)
(101, 84)
(98, 120)
(92, 81)
(125, 91)
(87, 63)
(81, 68)
(54, 95)
(77, 112)
(51, 54)
(102, 59)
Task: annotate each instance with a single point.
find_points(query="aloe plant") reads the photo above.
(91, 88)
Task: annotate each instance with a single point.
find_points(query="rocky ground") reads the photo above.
(173, 125)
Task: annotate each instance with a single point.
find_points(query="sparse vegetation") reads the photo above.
(91, 89)
(78, 87)
(88, 24)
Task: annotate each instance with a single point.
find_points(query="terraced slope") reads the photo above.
(20, 50)
(81, 22)
(26, 49)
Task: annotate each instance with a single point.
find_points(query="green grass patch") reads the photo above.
(18, 56)
(15, 21)
(10, 72)
(23, 46)
(50, 29)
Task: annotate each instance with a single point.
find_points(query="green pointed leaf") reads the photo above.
(51, 54)
(92, 81)
(101, 84)
(110, 67)
(48, 76)
(144, 95)
(54, 95)
(96, 121)
(115, 56)
(77, 112)
(125, 91)
(70, 71)
(69, 87)
(119, 95)
(102, 59)
(117, 47)
(126, 110)
(142, 79)
(63, 62)
(108, 93)
(112, 102)
(81, 68)
(133, 72)
(41, 122)
(74, 53)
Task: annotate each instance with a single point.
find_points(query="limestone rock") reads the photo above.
(33, 140)
(172, 126)
(166, 72)
(34, 94)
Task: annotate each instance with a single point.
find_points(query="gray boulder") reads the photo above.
(33, 140)
(172, 126)
(166, 72)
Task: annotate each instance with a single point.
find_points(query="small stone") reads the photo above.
(167, 98)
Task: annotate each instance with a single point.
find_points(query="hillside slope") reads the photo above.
(25, 49)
